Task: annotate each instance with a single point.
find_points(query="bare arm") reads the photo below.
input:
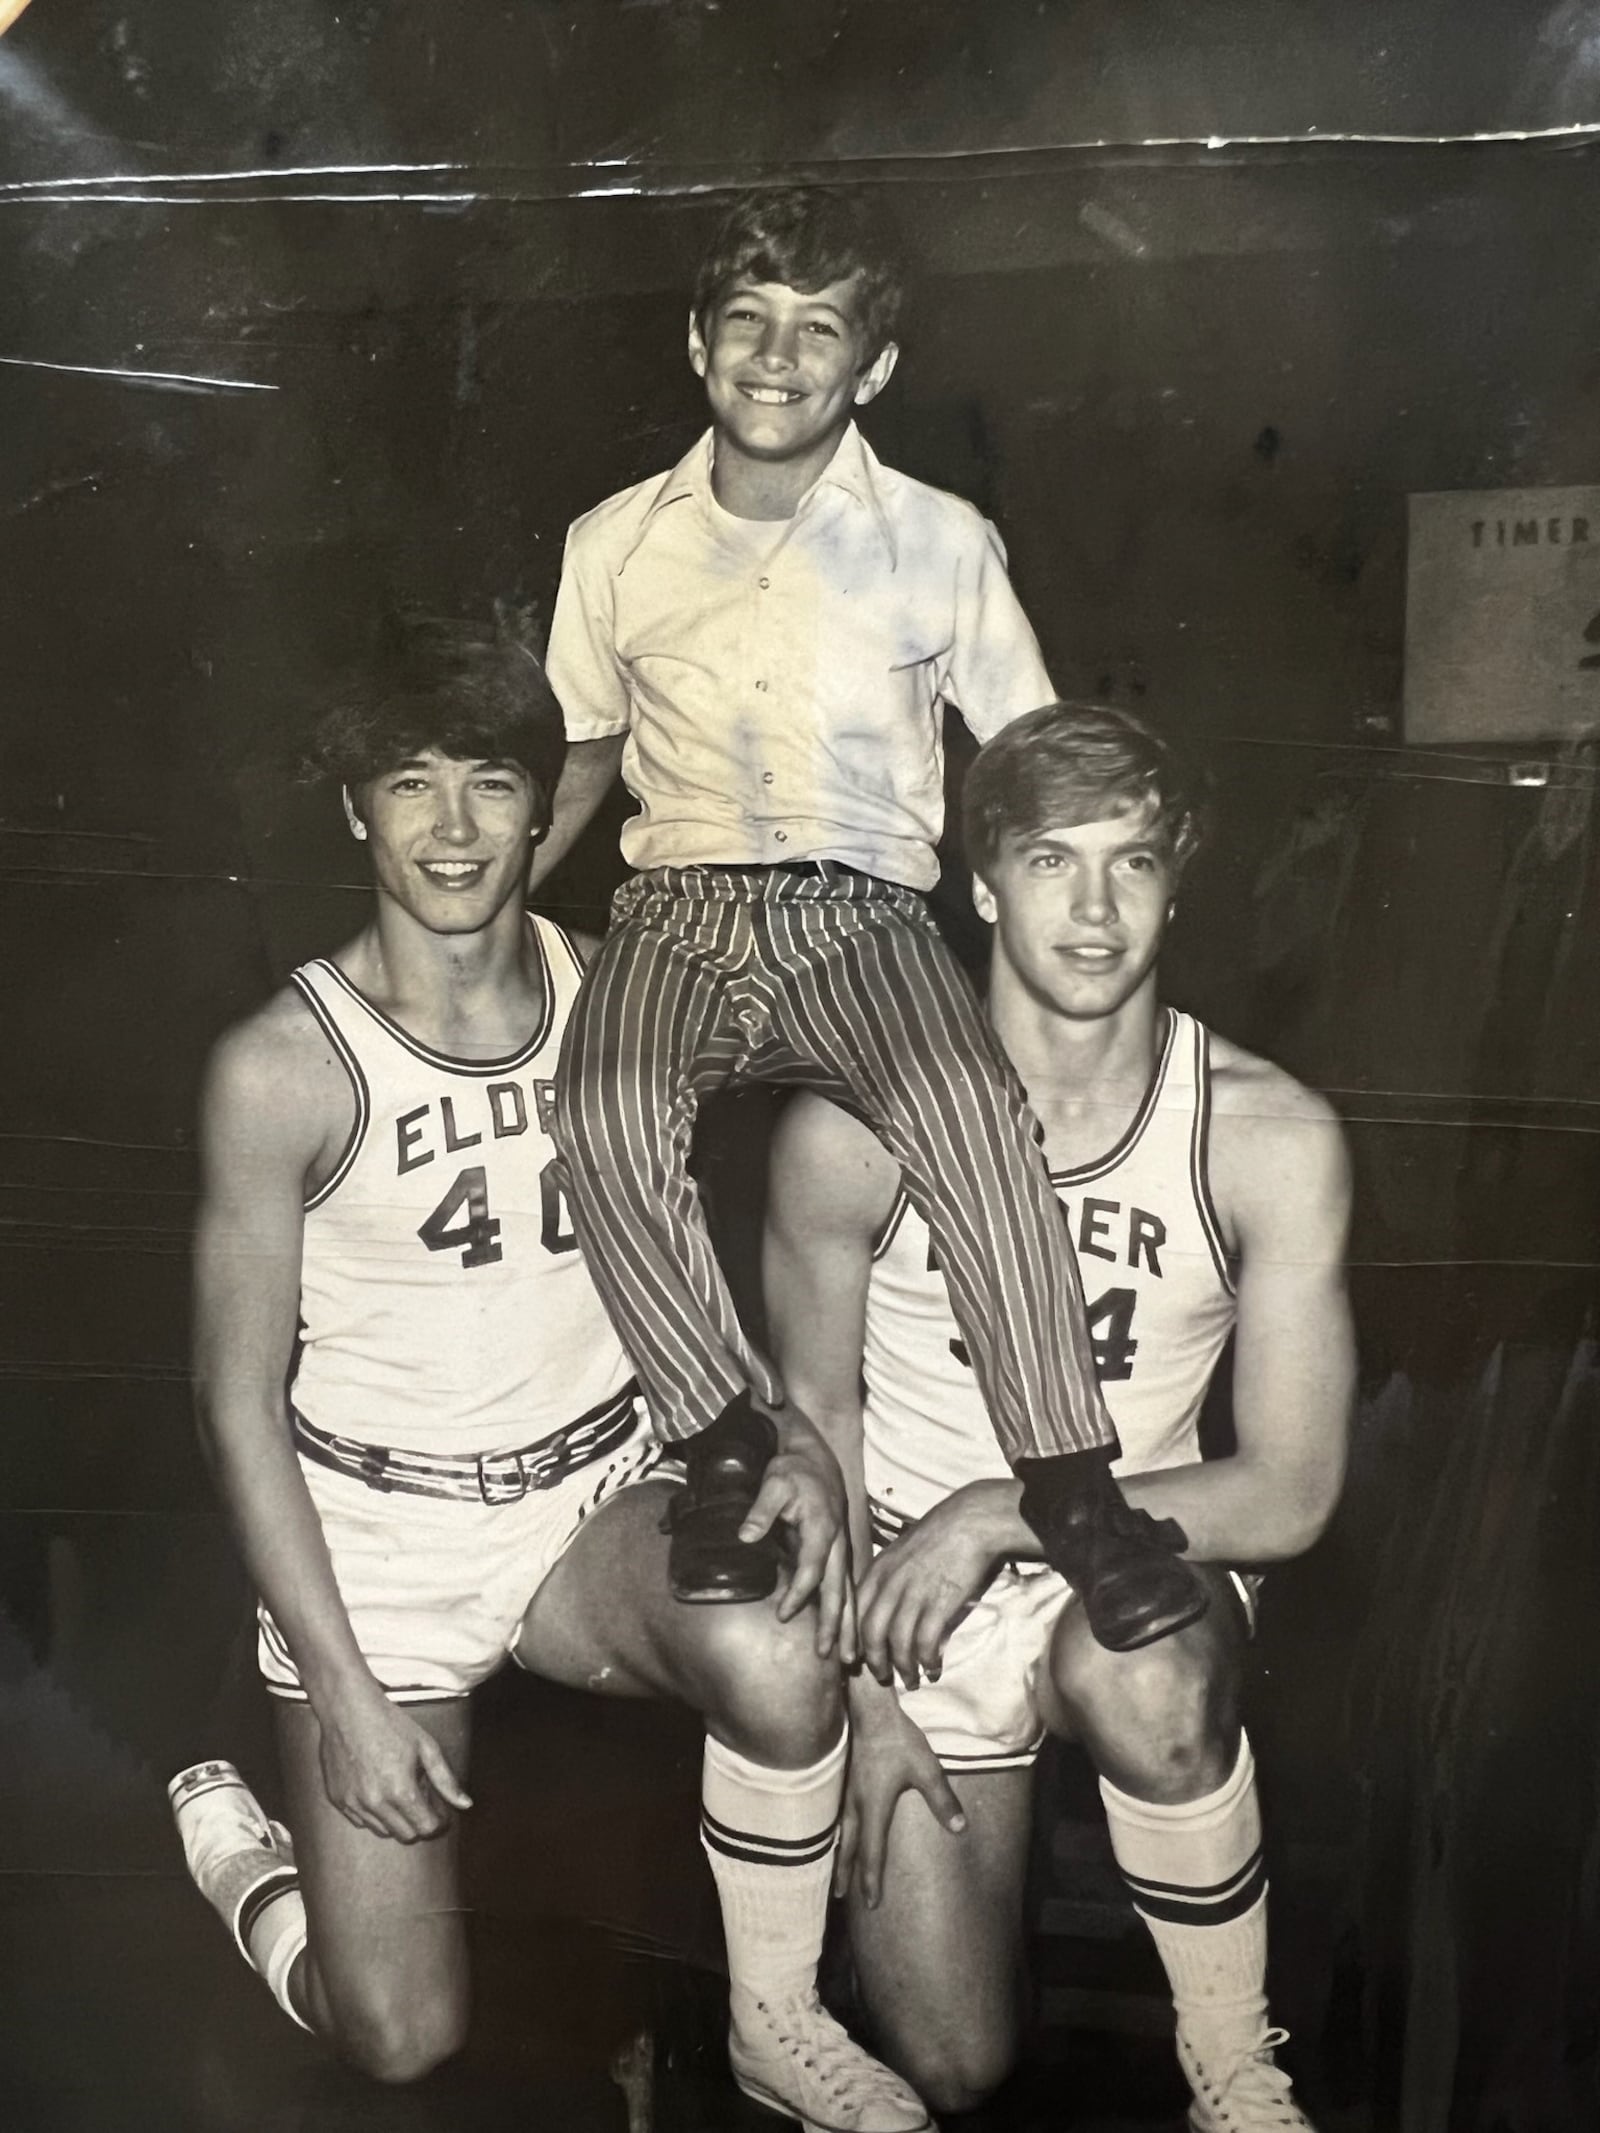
(271, 1108)
(1281, 1180)
(257, 1146)
(830, 1190)
(590, 771)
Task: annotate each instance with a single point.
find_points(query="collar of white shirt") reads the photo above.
(854, 468)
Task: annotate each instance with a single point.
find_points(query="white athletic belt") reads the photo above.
(484, 1477)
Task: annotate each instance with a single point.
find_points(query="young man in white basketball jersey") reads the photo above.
(461, 1468)
(1206, 1194)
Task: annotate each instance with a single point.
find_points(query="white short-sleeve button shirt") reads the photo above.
(779, 682)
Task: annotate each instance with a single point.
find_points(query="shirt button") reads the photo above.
(764, 583)
(782, 836)
(761, 685)
(766, 777)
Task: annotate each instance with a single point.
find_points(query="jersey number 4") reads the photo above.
(462, 1221)
(1111, 1332)
(1110, 1320)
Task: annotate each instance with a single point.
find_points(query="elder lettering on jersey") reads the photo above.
(447, 1124)
(1100, 1233)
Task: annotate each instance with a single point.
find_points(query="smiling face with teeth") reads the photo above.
(451, 839)
(1079, 910)
(784, 371)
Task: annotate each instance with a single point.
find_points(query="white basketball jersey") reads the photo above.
(1156, 1280)
(444, 1304)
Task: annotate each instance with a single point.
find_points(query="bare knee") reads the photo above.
(956, 2070)
(961, 2081)
(399, 2040)
(945, 2007)
(765, 1691)
(1161, 1721)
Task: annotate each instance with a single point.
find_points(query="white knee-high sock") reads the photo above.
(770, 1837)
(1196, 1876)
(272, 1931)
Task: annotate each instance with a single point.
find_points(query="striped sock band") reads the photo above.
(769, 1836)
(272, 1932)
(1197, 1878)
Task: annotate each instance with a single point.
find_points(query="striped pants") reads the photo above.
(825, 979)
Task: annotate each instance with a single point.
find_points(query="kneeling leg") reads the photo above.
(939, 1959)
(384, 1972)
(771, 1788)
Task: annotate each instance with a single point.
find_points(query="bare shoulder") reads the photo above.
(1254, 1092)
(1277, 1149)
(828, 1169)
(274, 1079)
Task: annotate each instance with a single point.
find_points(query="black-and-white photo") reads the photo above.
(800, 1173)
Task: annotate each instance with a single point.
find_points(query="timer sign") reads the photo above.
(1503, 615)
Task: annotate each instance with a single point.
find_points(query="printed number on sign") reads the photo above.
(477, 1237)
(1110, 1319)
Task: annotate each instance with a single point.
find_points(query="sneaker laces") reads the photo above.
(1255, 2092)
(823, 2048)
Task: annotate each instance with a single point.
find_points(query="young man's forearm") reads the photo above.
(838, 1423)
(590, 771)
(285, 1552)
(872, 1704)
(1231, 1510)
(1236, 1510)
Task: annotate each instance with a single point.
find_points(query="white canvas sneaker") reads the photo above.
(794, 2057)
(1239, 2090)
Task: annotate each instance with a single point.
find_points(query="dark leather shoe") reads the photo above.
(707, 1562)
(1124, 1565)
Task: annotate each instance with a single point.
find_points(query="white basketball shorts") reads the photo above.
(983, 1711)
(436, 1588)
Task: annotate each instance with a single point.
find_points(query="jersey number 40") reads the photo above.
(462, 1221)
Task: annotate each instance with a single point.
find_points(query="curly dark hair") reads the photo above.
(808, 237)
(475, 691)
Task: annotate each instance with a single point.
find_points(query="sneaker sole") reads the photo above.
(770, 2102)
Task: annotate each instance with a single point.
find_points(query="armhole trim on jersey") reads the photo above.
(1200, 1158)
(358, 1086)
(476, 1069)
(1086, 1173)
(891, 1224)
(562, 936)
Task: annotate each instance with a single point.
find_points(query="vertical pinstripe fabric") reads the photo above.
(831, 981)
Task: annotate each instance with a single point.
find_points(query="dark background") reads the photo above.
(1205, 291)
